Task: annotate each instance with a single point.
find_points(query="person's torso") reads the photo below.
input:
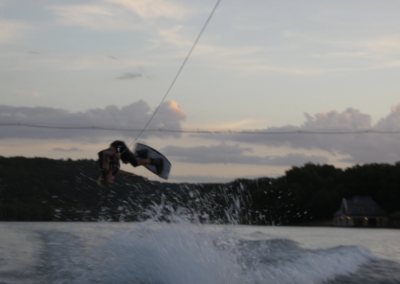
(114, 164)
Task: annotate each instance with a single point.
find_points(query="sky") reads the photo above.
(261, 67)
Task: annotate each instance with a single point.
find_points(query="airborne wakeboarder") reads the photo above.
(110, 166)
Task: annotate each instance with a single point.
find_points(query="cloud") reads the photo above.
(392, 121)
(384, 44)
(296, 160)
(234, 154)
(111, 15)
(290, 70)
(222, 126)
(150, 9)
(129, 75)
(96, 62)
(132, 116)
(177, 36)
(95, 17)
(29, 93)
(72, 149)
(361, 148)
(11, 31)
(350, 119)
(209, 155)
(382, 47)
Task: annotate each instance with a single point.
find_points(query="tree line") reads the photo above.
(41, 189)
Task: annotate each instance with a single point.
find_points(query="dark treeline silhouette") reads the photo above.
(40, 189)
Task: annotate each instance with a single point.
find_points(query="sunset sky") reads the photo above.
(260, 66)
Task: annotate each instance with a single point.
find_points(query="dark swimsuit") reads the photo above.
(113, 166)
(126, 157)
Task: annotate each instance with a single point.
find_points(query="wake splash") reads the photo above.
(180, 239)
(312, 266)
(181, 253)
(171, 253)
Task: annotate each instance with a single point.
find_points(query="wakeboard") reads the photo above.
(154, 154)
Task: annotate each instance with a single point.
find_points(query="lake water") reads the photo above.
(187, 253)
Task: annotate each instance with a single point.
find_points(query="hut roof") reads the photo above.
(360, 205)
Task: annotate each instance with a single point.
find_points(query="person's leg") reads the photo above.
(134, 159)
(139, 158)
(157, 163)
(143, 154)
(143, 162)
(129, 157)
(126, 155)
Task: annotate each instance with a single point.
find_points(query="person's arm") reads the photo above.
(128, 174)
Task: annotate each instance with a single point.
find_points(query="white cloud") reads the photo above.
(29, 93)
(44, 61)
(133, 116)
(209, 155)
(392, 121)
(290, 70)
(114, 15)
(149, 9)
(234, 154)
(297, 160)
(11, 31)
(223, 126)
(219, 55)
(97, 62)
(384, 44)
(361, 148)
(350, 119)
(96, 17)
(72, 149)
(380, 47)
(111, 15)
